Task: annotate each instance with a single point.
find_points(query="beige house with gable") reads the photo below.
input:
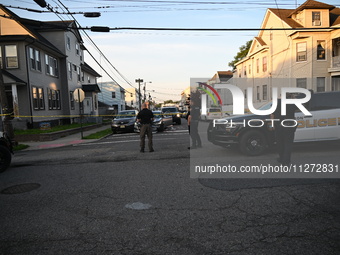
(306, 55)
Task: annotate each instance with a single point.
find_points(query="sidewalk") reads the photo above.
(65, 141)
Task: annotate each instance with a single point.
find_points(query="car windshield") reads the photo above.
(126, 114)
(266, 106)
(214, 110)
(169, 110)
(157, 114)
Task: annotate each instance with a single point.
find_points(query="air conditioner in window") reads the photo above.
(317, 23)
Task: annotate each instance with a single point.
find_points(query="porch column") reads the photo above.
(15, 100)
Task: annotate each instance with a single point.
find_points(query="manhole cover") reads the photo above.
(21, 188)
(138, 206)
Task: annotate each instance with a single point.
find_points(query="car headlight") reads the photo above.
(178, 115)
(232, 128)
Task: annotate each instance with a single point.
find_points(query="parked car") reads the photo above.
(184, 114)
(323, 125)
(212, 113)
(124, 121)
(160, 122)
(5, 151)
(173, 112)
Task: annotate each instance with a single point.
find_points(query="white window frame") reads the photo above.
(301, 52)
(11, 58)
(51, 65)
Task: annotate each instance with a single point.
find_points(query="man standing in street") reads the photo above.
(285, 134)
(145, 118)
(193, 119)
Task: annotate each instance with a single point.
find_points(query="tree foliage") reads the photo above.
(241, 54)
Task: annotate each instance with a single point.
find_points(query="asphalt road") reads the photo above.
(108, 198)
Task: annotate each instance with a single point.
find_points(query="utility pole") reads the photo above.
(139, 81)
(7, 124)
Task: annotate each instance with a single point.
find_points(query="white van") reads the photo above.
(213, 113)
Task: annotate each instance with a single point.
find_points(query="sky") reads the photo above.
(165, 60)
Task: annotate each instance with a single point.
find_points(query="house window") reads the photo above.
(78, 73)
(264, 92)
(335, 83)
(68, 43)
(38, 98)
(301, 52)
(51, 65)
(35, 60)
(320, 84)
(239, 73)
(77, 49)
(88, 79)
(264, 64)
(72, 100)
(11, 56)
(321, 52)
(258, 65)
(113, 94)
(258, 93)
(249, 69)
(82, 76)
(316, 18)
(245, 71)
(53, 99)
(69, 70)
(301, 83)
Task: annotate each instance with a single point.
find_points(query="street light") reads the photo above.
(145, 90)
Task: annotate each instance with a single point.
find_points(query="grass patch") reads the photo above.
(20, 147)
(99, 134)
(53, 129)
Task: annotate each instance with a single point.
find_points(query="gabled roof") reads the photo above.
(284, 15)
(311, 4)
(12, 77)
(260, 41)
(88, 69)
(30, 26)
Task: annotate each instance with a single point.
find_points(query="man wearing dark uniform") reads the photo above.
(285, 135)
(193, 120)
(145, 117)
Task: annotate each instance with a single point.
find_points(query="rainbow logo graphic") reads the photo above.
(209, 93)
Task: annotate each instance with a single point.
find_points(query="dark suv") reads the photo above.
(174, 112)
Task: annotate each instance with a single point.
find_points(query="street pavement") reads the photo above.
(105, 197)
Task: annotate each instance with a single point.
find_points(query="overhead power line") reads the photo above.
(107, 29)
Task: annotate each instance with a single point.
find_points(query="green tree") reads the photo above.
(241, 54)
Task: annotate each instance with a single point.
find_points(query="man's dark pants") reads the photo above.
(285, 139)
(196, 139)
(146, 129)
